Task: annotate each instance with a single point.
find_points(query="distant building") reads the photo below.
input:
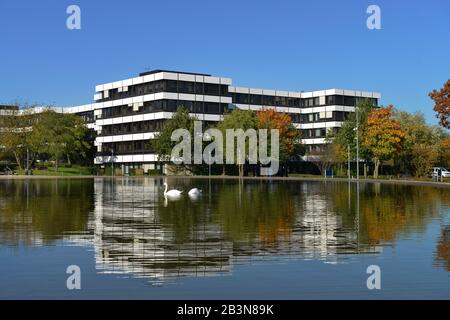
(126, 114)
(7, 109)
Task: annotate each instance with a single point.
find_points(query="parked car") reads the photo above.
(444, 172)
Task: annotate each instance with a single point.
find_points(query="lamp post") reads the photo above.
(208, 137)
(357, 143)
(112, 162)
(348, 165)
(357, 177)
(28, 156)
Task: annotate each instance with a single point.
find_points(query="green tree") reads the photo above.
(59, 135)
(15, 131)
(238, 119)
(345, 137)
(325, 157)
(420, 148)
(79, 140)
(162, 143)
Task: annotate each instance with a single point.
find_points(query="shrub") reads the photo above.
(153, 172)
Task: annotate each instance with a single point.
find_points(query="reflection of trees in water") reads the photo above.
(255, 212)
(387, 212)
(274, 211)
(442, 254)
(183, 217)
(42, 210)
(396, 211)
(134, 231)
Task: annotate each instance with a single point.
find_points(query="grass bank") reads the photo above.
(62, 171)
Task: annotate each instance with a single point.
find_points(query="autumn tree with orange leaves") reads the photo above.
(289, 135)
(383, 135)
(441, 99)
(444, 152)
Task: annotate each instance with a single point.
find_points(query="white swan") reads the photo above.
(172, 193)
(195, 192)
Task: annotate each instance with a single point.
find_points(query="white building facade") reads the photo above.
(127, 114)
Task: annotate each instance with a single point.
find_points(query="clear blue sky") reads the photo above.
(286, 45)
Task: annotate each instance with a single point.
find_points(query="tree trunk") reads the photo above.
(16, 155)
(375, 170)
(241, 170)
(365, 169)
(223, 170)
(32, 159)
(56, 164)
(68, 160)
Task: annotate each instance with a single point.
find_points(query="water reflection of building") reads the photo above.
(318, 232)
(322, 229)
(130, 236)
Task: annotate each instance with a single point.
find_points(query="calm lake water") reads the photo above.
(250, 240)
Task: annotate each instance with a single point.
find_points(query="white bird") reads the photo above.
(172, 193)
(194, 192)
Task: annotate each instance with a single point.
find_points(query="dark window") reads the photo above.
(224, 90)
(198, 107)
(241, 98)
(157, 105)
(212, 108)
(199, 88)
(281, 101)
(349, 101)
(212, 89)
(186, 87)
(309, 102)
(88, 116)
(171, 85)
(375, 102)
(148, 107)
(139, 90)
(316, 101)
(187, 104)
(296, 118)
(171, 105)
(338, 115)
(268, 100)
(160, 86)
(255, 99)
(330, 100)
(339, 100)
(148, 88)
(293, 102)
(127, 147)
